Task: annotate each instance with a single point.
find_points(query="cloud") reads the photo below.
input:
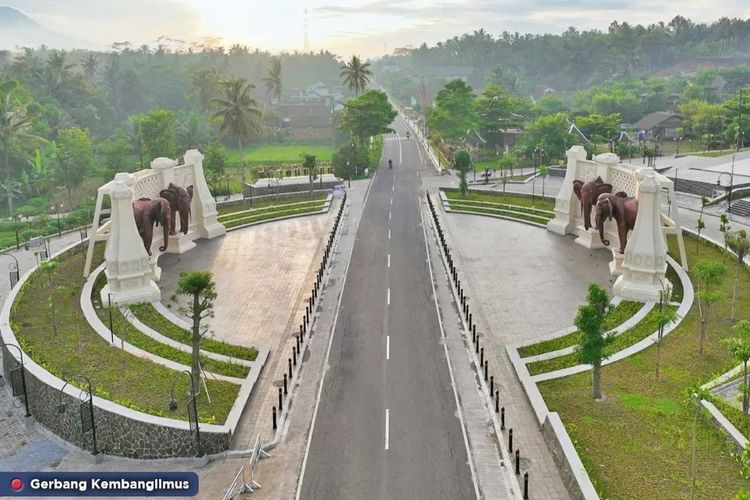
(138, 21)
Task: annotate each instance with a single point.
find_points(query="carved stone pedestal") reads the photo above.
(589, 239)
(615, 265)
(180, 243)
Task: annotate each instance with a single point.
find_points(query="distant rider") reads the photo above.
(390, 163)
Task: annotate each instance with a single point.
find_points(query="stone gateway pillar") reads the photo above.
(644, 265)
(128, 270)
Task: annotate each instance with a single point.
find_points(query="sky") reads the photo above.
(366, 27)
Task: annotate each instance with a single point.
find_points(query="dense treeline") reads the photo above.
(576, 59)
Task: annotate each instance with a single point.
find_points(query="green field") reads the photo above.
(73, 347)
(637, 442)
(274, 154)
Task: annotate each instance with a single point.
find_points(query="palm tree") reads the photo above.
(203, 85)
(273, 80)
(89, 65)
(356, 74)
(15, 122)
(237, 109)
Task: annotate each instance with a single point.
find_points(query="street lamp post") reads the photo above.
(192, 408)
(86, 410)
(57, 211)
(14, 270)
(18, 379)
(728, 187)
(14, 219)
(351, 164)
(109, 309)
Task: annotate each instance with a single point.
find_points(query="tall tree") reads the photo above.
(158, 134)
(90, 65)
(739, 346)
(201, 290)
(203, 86)
(273, 80)
(310, 163)
(454, 113)
(74, 158)
(238, 111)
(593, 341)
(15, 126)
(709, 275)
(367, 116)
(740, 245)
(356, 74)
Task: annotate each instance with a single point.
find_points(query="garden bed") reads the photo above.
(515, 199)
(76, 348)
(269, 201)
(637, 442)
(640, 331)
(616, 316)
(149, 316)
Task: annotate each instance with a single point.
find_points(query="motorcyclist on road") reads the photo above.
(390, 163)
(408, 135)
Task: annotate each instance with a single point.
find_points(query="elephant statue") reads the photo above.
(588, 193)
(180, 199)
(623, 208)
(149, 212)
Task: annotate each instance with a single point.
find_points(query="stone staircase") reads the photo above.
(741, 207)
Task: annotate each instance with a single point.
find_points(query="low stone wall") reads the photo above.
(116, 434)
(120, 430)
(566, 458)
(251, 191)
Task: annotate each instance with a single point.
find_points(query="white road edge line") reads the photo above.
(387, 427)
(400, 152)
(419, 150)
(388, 347)
(328, 354)
(447, 360)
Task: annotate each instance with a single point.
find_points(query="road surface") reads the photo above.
(387, 424)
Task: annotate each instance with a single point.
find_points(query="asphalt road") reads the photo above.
(387, 424)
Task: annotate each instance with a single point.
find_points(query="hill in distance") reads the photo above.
(19, 30)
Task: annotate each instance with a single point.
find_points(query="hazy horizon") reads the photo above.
(367, 27)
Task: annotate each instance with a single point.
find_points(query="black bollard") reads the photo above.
(502, 418)
(474, 335)
(307, 313)
(510, 440)
(497, 401)
(525, 486)
(290, 367)
(485, 370)
(518, 462)
(294, 355)
(273, 417)
(285, 380)
(298, 341)
(281, 399)
(492, 385)
(481, 357)
(474, 331)
(471, 317)
(476, 347)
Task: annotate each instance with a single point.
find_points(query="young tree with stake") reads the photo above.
(201, 289)
(740, 245)
(593, 341)
(739, 346)
(709, 275)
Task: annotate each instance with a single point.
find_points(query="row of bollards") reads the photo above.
(305, 326)
(478, 349)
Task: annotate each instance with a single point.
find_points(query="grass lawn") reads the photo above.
(76, 348)
(616, 316)
(235, 219)
(498, 197)
(149, 316)
(637, 442)
(289, 153)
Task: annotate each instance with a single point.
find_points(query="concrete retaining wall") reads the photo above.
(566, 458)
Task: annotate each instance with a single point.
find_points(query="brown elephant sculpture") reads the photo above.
(588, 193)
(149, 212)
(623, 209)
(179, 199)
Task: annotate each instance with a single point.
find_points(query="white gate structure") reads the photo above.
(641, 269)
(131, 272)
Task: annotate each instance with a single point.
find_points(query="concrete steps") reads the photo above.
(741, 207)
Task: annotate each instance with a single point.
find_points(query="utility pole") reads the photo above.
(739, 123)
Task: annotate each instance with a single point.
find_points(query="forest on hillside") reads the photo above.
(576, 59)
